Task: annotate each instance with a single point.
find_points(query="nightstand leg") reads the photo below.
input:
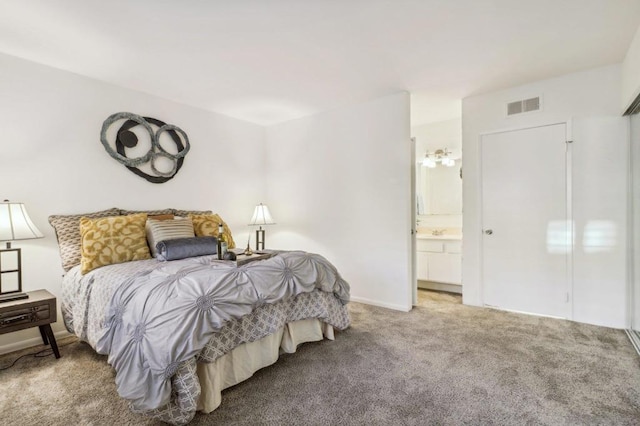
(52, 339)
(44, 336)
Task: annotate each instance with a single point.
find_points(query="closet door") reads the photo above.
(635, 184)
(634, 291)
(526, 236)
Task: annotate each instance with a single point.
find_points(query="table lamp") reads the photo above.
(15, 224)
(261, 216)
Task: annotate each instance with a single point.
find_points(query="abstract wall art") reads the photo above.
(148, 147)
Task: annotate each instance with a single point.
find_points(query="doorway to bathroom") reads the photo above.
(436, 126)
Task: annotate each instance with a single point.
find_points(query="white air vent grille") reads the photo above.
(525, 105)
(514, 108)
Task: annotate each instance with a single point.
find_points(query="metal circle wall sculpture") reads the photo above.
(126, 138)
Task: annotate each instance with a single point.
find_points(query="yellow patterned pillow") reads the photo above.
(114, 239)
(206, 225)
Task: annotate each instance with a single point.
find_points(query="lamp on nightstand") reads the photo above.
(261, 216)
(15, 224)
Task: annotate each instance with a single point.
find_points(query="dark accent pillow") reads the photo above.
(181, 248)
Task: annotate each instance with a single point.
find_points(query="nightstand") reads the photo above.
(39, 310)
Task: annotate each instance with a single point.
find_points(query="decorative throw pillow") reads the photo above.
(162, 230)
(148, 212)
(185, 213)
(206, 225)
(67, 229)
(161, 217)
(114, 239)
(181, 248)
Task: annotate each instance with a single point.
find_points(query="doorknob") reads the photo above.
(488, 231)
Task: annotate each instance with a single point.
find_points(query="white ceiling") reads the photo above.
(269, 61)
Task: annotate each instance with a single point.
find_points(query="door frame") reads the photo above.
(633, 208)
(414, 225)
(569, 203)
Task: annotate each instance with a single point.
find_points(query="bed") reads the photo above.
(178, 332)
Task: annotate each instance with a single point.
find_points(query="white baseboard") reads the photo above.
(381, 304)
(533, 314)
(634, 336)
(29, 343)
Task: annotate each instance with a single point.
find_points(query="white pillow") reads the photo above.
(161, 230)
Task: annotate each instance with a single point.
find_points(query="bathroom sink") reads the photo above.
(439, 237)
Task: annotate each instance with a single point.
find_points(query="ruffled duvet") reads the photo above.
(159, 318)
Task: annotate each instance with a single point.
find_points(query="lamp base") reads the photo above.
(8, 297)
(260, 239)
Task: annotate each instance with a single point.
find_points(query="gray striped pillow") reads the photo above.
(162, 230)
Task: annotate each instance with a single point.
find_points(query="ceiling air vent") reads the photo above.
(525, 105)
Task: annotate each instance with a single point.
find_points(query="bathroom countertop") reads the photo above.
(439, 237)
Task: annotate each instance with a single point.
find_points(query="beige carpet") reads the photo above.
(442, 363)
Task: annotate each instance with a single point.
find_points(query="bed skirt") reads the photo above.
(243, 361)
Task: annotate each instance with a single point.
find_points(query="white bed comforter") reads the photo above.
(151, 318)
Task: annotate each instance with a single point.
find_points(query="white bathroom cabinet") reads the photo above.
(439, 263)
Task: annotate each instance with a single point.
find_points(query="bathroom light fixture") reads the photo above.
(442, 156)
(429, 162)
(448, 162)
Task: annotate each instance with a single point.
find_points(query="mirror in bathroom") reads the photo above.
(439, 189)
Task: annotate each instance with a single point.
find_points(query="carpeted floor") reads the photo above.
(442, 363)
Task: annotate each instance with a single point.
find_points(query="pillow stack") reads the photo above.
(168, 228)
(114, 236)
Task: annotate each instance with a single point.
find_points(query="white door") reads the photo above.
(526, 237)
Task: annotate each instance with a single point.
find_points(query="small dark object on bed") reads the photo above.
(229, 256)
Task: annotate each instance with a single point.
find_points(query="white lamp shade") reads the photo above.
(15, 223)
(261, 216)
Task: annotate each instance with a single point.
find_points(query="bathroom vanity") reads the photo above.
(439, 262)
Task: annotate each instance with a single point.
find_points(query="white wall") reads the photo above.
(631, 73)
(438, 135)
(53, 161)
(592, 93)
(338, 184)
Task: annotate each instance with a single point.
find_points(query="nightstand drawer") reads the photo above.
(31, 315)
(38, 310)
